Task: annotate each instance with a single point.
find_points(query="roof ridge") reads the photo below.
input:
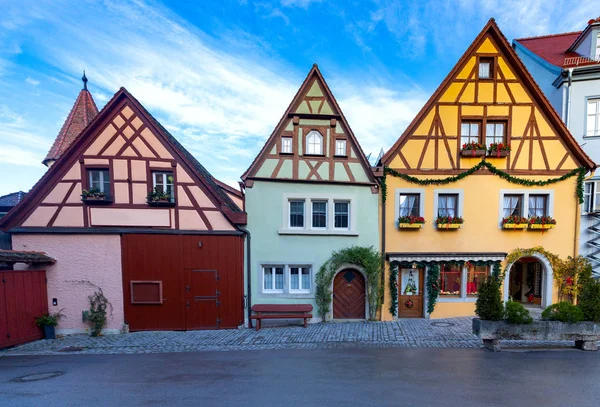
(548, 36)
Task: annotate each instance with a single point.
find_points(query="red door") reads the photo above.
(349, 295)
(202, 299)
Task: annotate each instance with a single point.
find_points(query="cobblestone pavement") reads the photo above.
(404, 333)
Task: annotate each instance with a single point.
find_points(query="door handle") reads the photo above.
(187, 288)
(187, 304)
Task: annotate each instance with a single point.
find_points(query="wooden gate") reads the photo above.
(23, 297)
(349, 295)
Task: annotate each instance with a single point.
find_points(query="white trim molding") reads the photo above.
(465, 256)
(547, 280)
(398, 191)
(525, 203)
(443, 191)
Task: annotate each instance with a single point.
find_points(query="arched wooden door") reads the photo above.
(349, 295)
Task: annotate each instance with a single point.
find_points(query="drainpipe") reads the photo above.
(568, 118)
(383, 205)
(248, 275)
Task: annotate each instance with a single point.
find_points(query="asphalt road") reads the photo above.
(322, 377)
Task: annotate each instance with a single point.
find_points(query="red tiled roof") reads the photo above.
(12, 199)
(552, 48)
(82, 113)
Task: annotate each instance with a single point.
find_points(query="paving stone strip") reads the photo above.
(404, 333)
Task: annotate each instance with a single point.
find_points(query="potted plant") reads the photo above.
(159, 197)
(449, 222)
(93, 194)
(515, 222)
(498, 150)
(541, 222)
(411, 222)
(472, 149)
(48, 322)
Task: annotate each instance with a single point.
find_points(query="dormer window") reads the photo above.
(314, 143)
(486, 68)
(286, 145)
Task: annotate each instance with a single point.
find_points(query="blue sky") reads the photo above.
(219, 74)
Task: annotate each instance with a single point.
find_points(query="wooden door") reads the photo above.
(202, 299)
(349, 295)
(410, 293)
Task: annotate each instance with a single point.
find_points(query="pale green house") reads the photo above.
(310, 191)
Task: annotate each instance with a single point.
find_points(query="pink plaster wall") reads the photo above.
(81, 260)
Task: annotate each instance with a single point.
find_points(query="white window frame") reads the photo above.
(289, 213)
(593, 195)
(441, 191)
(272, 290)
(286, 229)
(463, 297)
(300, 290)
(349, 214)
(595, 115)
(402, 191)
(309, 136)
(286, 144)
(340, 148)
(165, 177)
(525, 204)
(312, 209)
(101, 172)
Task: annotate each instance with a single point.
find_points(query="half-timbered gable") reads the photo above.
(312, 142)
(125, 170)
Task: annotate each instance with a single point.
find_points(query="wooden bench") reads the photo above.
(281, 311)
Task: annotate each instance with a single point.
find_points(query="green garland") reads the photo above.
(580, 172)
(433, 278)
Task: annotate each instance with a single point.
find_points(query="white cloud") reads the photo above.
(299, 3)
(32, 81)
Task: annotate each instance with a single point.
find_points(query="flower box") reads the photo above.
(162, 203)
(472, 153)
(514, 226)
(449, 225)
(497, 154)
(410, 225)
(541, 226)
(96, 200)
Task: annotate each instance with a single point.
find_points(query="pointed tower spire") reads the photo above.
(83, 112)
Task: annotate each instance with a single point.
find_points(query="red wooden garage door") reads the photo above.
(181, 282)
(23, 297)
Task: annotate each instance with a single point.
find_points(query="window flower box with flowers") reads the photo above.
(515, 222)
(411, 222)
(159, 198)
(94, 195)
(498, 150)
(541, 223)
(449, 222)
(472, 149)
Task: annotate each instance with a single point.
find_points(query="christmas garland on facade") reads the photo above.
(580, 172)
(433, 278)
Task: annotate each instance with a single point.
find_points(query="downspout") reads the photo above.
(383, 205)
(570, 77)
(248, 275)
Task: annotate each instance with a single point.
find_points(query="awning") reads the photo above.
(13, 256)
(463, 256)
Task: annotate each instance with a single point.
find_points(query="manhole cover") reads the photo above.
(71, 349)
(443, 324)
(37, 376)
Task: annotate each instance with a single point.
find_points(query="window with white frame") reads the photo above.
(296, 213)
(598, 47)
(286, 145)
(591, 197)
(494, 133)
(314, 143)
(300, 279)
(538, 205)
(593, 118)
(485, 68)
(469, 132)
(163, 182)
(512, 205)
(341, 214)
(99, 180)
(340, 148)
(319, 214)
(447, 205)
(273, 279)
(409, 205)
(458, 282)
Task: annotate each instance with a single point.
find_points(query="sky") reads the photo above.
(219, 74)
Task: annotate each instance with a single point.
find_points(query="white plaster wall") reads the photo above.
(83, 262)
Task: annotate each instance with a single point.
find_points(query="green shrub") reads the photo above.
(589, 301)
(564, 312)
(49, 319)
(489, 303)
(516, 313)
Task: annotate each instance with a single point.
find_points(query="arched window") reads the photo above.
(314, 143)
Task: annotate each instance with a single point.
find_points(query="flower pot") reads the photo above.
(514, 226)
(49, 332)
(497, 154)
(541, 226)
(472, 153)
(410, 225)
(449, 225)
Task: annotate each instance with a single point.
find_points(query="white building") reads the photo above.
(567, 68)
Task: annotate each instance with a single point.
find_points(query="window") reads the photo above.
(286, 145)
(163, 182)
(273, 278)
(469, 132)
(476, 275)
(448, 205)
(593, 118)
(99, 180)
(513, 205)
(597, 48)
(319, 214)
(341, 215)
(300, 279)
(450, 280)
(591, 197)
(538, 205)
(409, 205)
(494, 133)
(485, 68)
(340, 147)
(296, 214)
(314, 143)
